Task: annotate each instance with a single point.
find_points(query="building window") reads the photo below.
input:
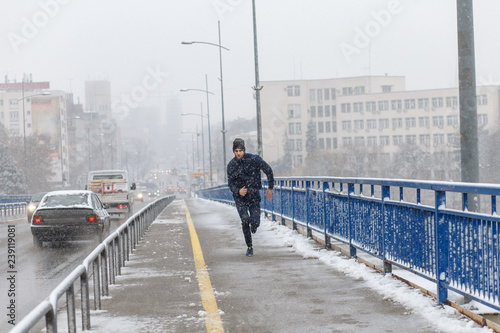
(383, 105)
(409, 104)
(347, 91)
(410, 122)
(372, 141)
(371, 123)
(313, 111)
(452, 120)
(437, 102)
(327, 110)
(345, 107)
(321, 128)
(13, 103)
(347, 141)
(291, 144)
(320, 110)
(296, 90)
(335, 143)
(346, 125)
(298, 128)
(333, 93)
(386, 89)
(14, 116)
(482, 119)
(384, 140)
(451, 101)
(359, 141)
(334, 126)
(359, 124)
(14, 129)
(397, 123)
(411, 139)
(327, 94)
(320, 95)
(294, 111)
(423, 122)
(328, 127)
(289, 90)
(423, 103)
(383, 123)
(453, 139)
(396, 104)
(358, 107)
(482, 100)
(397, 140)
(425, 139)
(438, 139)
(371, 106)
(312, 94)
(328, 143)
(298, 145)
(1, 102)
(334, 111)
(291, 128)
(321, 143)
(359, 90)
(437, 121)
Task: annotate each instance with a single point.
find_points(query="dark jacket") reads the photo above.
(246, 172)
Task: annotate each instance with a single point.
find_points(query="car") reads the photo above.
(68, 216)
(170, 189)
(33, 204)
(140, 193)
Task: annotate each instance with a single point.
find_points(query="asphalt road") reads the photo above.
(37, 271)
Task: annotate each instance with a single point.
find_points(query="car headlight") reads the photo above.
(139, 195)
(31, 208)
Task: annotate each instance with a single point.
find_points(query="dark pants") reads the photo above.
(248, 208)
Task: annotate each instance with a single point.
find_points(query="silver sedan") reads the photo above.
(68, 216)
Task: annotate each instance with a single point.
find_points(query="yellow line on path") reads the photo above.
(213, 321)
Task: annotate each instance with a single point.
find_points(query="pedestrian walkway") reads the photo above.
(279, 289)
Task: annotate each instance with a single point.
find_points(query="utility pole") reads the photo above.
(257, 87)
(467, 97)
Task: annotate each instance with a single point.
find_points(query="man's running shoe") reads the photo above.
(249, 252)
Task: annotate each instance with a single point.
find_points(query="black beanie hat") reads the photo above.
(238, 144)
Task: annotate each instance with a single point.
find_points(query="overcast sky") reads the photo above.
(137, 45)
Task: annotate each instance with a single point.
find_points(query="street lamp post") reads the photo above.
(221, 93)
(197, 146)
(202, 137)
(208, 120)
(257, 87)
(45, 93)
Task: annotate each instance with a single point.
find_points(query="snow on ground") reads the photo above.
(444, 318)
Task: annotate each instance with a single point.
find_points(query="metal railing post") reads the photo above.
(70, 301)
(84, 282)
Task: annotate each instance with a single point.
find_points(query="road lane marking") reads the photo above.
(213, 321)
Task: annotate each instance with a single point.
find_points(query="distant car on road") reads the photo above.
(33, 204)
(67, 216)
(140, 193)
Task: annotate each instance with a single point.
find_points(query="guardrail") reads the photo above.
(14, 198)
(13, 208)
(101, 266)
(422, 226)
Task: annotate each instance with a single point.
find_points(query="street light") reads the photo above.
(197, 146)
(202, 136)
(208, 119)
(45, 93)
(221, 93)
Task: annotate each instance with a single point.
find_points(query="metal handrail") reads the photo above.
(103, 264)
(424, 227)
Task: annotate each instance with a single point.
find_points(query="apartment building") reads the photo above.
(366, 112)
(29, 108)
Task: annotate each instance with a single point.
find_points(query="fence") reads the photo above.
(101, 266)
(423, 227)
(13, 208)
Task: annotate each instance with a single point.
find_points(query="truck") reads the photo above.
(112, 187)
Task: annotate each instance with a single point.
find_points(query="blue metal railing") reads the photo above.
(421, 226)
